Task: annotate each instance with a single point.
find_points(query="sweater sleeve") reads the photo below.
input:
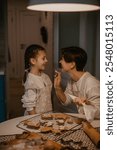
(29, 99)
(94, 99)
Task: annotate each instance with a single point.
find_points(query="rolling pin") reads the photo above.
(92, 133)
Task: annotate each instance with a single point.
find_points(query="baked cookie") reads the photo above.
(46, 117)
(32, 125)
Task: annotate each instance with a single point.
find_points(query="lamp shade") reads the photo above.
(64, 5)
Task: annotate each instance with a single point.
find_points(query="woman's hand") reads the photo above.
(57, 85)
(57, 80)
(80, 101)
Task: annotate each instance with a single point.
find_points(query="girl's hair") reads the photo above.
(75, 54)
(31, 52)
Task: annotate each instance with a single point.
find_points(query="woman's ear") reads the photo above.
(73, 65)
(32, 61)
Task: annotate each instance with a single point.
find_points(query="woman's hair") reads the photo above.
(31, 52)
(75, 54)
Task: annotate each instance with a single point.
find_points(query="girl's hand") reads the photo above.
(32, 112)
(57, 80)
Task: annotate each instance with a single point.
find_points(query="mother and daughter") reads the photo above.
(83, 89)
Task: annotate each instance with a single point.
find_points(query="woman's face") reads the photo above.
(40, 61)
(65, 65)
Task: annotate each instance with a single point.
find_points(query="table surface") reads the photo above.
(9, 127)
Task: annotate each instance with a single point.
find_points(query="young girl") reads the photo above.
(37, 96)
(83, 89)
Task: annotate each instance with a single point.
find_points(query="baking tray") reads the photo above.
(56, 117)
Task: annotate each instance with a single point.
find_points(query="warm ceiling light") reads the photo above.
(64, 5)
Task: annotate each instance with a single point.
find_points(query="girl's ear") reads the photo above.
(32, 61)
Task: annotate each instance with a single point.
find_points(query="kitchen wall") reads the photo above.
(82, 29)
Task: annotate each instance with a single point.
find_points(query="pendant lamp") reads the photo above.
(64, 5)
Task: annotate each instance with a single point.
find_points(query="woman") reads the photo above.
(82, 89)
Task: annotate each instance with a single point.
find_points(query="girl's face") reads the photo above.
(40, 61)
